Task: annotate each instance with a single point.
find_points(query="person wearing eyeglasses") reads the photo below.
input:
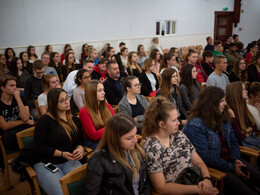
(57, 140)
(46, 62)
(132, 103)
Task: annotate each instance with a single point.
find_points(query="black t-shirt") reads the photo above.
(137, 109)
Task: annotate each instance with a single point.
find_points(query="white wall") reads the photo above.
(57, 22)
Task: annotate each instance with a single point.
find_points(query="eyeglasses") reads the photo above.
(137, 85)
(62, 101)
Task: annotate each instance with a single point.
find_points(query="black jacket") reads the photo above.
(119, 62)
(146, 84)
(107, 176)
(113, 96)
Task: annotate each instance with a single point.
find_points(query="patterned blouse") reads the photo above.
(171, 161)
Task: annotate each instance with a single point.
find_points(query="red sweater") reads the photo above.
(87, 124)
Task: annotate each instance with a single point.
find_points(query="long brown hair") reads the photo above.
(46, 80)
(139, 52)
(166, 85)
(158, 110)
(130, 62)
(53, 99)
(117, 126)
(98, 111)
(238, 105)
(206, 107)
(243, 75)
(164, 60)
(73, 67)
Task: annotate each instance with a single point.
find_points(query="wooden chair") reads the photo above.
(254, 154)
(149, 99)
(7, 157)
(25, 140)
(115, 108)
(73, 183)
(184, 52)
(37, 108)
(147, 53)
(199, 49)
(88, 152)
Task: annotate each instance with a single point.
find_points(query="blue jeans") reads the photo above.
(50, 182)
(91, 144)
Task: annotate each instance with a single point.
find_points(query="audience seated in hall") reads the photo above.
(118, 165)
(155, 55)
(148, 78)
(70, 84)
(253, 70)
(192, 58)
(168, 61)
(46, 62)
(9, 55)
(31, 53)
(49, 81)
(189, 87)
(229, 40)
(132, 103)
(210, 131)
(169, 89)
(57, 140)
(62, 56)
(100, 70)
(209, 45)
(231, 54)
(25, 61)
(14, 114)
(253, 102)
(55, 63)
(141, 55)
(218, 78)
(112, 84)
(169, 152)
(133, 68)
(94, 114)
(21, 74)
(122, 59)
(238, 72)
(206, 63)
(252, 48)
(3, 67)
(243, 121)
(33, 86)
(82, 77)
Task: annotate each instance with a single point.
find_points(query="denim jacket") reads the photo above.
(208, 145)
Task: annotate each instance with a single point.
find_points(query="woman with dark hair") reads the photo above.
(57, 140)
(16, 69)
(49, 81)
(141, 55)
(65, 50)
(122, 59)
(48, 49)
(69, 65)
(83, 52)
(110, 52)
(253, 102)
(55, 63)
(189, 87)
(133, 68)
(251, 50)
(82, 77)
(25, 61)
(168, 61)
(149, 79)
(238, 72)
(31, 53)
(132, 103)
(175, 50)
(210, 131)
(94, 114)
(242, 120)
(155, 55)
(169, 152)
(9, 55)
(117, 166)
(3, 67)
(253, 70)
(169, 89)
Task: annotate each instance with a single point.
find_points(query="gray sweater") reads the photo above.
(186, 99)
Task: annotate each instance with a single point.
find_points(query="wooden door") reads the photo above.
(223, 25)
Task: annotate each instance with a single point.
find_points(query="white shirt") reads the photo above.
(152, 80)
(70, 84)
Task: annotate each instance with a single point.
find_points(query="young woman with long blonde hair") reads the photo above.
(133, 69)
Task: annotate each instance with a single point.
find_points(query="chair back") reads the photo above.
(25, 138)
(73, 183)
(184, 52)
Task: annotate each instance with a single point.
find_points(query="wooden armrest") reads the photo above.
(249, 149)
(249, 153)
(215, 174)
(88, 151)
(138, 137)
(31, 172)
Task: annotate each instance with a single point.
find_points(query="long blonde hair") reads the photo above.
(117, 126)
(99, 112)
(130, 62)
